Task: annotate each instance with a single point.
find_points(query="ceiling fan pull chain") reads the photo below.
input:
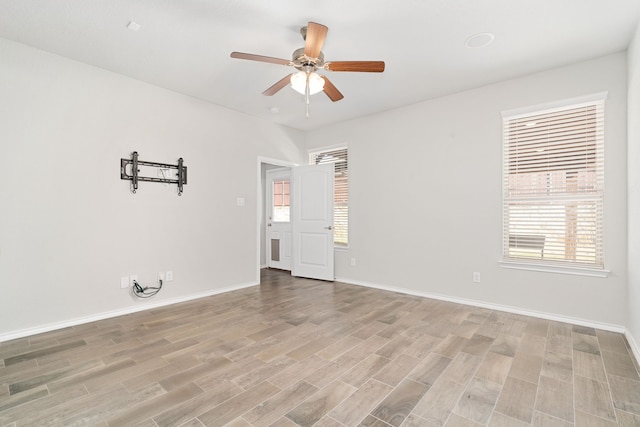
(307, 93)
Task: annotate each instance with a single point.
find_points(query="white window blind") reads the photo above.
(553, 181)
(339, 157)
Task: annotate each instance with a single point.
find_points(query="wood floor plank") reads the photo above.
(498, 419)
(559, 339)
(451, 346)
(558, 366)
(555, 398)
(366, 369)
(397, 369)
(309, 348)
(274, 408)
(339, 347)
(540, 419)
(238, 405)
(462, 368)
(93, 408)
(30, 355)
(315, 407)
(263, 372)
(611, 341)
(356, 407)
(439, 402)
(588, 420)
(421, 346)
(149, 408)
(495, 367)
(505, 345)
(526, 367)
(456, 420)
(585, 343)
(619, 364)
(430, 369)
(478, 345)
(212, 378)
(478, 400)
(517, 399)
(185, 411)
(400, 402)
(625, 394)
(294, 373)
(589, 365)
(627, 419)
(593, 397)
(22, 398)
(532, 344)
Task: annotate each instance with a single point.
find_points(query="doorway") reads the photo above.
(295, 219)
(278, 218)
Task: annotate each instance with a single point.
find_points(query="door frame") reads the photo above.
(261, 201)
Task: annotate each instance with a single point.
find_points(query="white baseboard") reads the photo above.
(635, 349)
(491, 306)
(109, 314)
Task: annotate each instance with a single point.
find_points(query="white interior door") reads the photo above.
(312, 221)
(278, 218)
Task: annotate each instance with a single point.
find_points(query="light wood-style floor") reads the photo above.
(302, 352)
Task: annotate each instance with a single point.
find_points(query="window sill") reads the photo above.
(547, 268)
(341, 248)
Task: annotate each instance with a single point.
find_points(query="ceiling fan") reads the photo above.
(307, 61)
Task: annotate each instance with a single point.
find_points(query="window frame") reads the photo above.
(565, 266)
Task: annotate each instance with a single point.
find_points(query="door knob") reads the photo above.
(328, 228)
(269, 225)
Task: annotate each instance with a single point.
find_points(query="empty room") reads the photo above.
(304, 213)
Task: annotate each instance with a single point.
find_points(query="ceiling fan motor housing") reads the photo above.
(300, 60)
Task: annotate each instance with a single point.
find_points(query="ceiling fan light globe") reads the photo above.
(299, 83)
(316, 83)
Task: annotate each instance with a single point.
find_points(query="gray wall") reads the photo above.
(425, 197)
(70, 228)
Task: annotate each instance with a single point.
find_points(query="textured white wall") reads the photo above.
(69, 227)
(425, 196)
(633, 159)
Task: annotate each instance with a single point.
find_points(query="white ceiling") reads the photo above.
(185, 45)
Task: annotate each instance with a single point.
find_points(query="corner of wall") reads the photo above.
(633, 193)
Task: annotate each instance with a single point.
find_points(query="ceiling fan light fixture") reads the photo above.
(299, 82)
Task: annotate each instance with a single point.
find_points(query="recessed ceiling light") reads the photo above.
(479, 40)
(133, 26)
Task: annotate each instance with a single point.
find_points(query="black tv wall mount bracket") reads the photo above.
(135, 177)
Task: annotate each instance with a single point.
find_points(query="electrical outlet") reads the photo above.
(132, 278)
(476, 277)
(169, 275)
(124, 282)
(353, 262)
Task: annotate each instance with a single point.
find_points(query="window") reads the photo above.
(281, 199)
(337, 156)
(553, 182)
